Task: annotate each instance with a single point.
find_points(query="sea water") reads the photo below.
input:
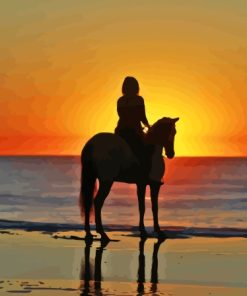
(198, 192)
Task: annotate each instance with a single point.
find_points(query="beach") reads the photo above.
(61, 263)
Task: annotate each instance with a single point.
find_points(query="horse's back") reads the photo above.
(109, 154)
(104, 145)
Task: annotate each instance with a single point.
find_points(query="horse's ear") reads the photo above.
(176, 119)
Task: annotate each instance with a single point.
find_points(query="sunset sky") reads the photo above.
(62, 64)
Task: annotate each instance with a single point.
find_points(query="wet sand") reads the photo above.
(54, 264)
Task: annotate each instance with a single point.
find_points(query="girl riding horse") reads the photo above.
(122, 157)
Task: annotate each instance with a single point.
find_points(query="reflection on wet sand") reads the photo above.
(86, 270)
(154, 270)
(92, 285)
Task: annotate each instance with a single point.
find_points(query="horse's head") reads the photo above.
(163, 133)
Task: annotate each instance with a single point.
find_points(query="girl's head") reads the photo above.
(130, 86)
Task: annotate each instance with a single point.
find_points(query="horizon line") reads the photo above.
(78, 155)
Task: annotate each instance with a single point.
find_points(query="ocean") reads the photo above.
(203, 192)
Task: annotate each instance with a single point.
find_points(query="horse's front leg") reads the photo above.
(141, 191)
(154, 189)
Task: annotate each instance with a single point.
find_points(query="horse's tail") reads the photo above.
(88, 188)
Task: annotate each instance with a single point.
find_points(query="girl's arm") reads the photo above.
(143, 113)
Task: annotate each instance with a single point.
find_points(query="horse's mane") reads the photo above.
(158, 131)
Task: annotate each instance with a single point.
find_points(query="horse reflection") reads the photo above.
(154, 270)
(86, 270)
(92, 284)
(86, 273)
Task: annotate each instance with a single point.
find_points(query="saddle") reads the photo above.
(143, 153)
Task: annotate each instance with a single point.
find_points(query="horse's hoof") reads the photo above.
(104, 237)
(161, 234)
(143, 233)
(89, 237)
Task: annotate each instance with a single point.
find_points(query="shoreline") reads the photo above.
(169, 231)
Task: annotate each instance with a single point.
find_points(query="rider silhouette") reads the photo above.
(131, 111)
(132, 115)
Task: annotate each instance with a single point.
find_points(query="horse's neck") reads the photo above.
(155, 136)
(157, 150)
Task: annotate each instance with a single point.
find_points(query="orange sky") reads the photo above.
(63, 63)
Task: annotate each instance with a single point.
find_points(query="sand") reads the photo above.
(39, 264)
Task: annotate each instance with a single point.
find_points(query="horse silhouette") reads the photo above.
(108, 158)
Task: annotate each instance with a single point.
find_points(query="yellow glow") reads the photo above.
(62, 70)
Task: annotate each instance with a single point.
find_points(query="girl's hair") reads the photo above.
(130, 86)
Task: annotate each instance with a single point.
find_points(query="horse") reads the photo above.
(108, 158)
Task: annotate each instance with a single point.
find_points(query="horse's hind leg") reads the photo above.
(104, 189)
(87, 192)
(89, 236)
